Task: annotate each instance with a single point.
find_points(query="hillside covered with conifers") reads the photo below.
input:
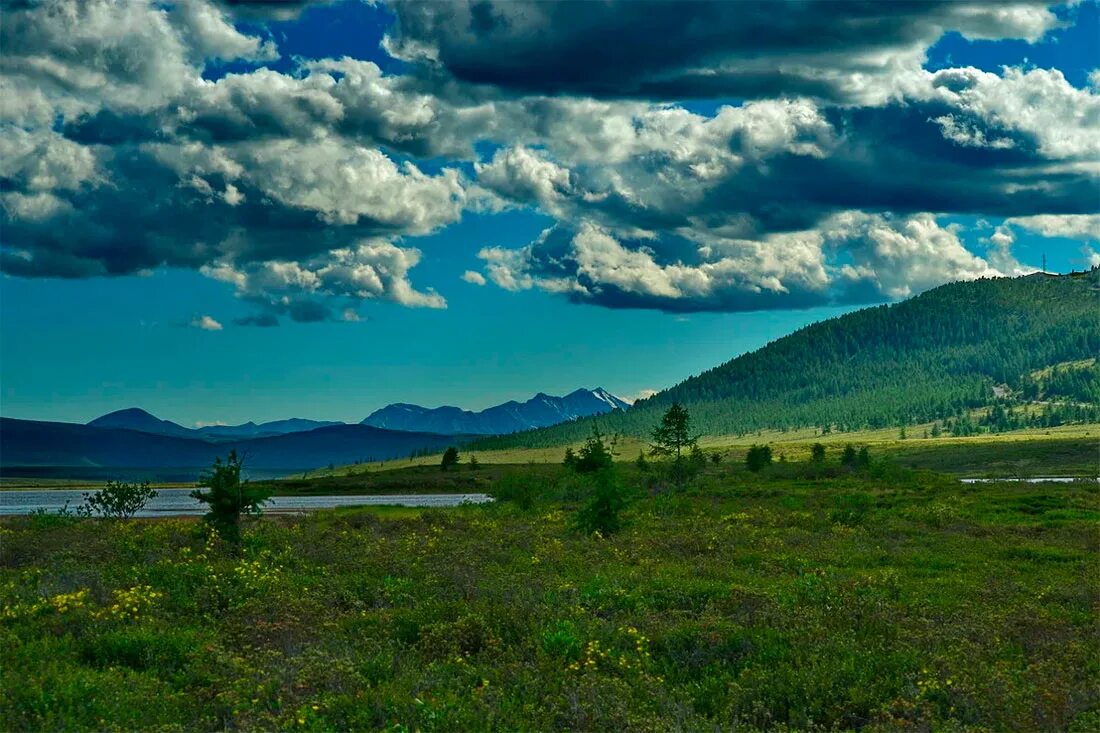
(936, 356)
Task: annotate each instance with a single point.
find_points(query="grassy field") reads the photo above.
(1068, 450)
(801, 598)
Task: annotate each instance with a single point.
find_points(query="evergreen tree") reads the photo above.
(570, 460)
(817, 453)
(228, 498)
(450, 459)
(671, 439)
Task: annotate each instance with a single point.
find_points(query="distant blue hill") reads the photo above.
(540, 411)
(31, 443)
(134, 418)
(275, 427)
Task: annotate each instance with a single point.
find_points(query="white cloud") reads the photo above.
(475, 278)
(371, 270)
(852, 257)
(206, 323)
(1084, 226)
(639, 395)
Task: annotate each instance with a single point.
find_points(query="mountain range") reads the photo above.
(134, 439)
(541, 410)
(79, 450)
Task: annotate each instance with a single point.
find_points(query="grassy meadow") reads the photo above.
(800, 598)
(1066, 450)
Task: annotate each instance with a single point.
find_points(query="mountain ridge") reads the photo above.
(540, 410)
(35, 443)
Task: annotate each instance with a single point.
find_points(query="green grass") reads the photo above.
(1068, 450)
(802, 598)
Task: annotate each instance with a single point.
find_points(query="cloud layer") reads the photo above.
(308, 190)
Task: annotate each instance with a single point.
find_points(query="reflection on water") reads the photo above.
(170, 502)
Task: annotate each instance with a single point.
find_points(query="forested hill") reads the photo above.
(931, 357)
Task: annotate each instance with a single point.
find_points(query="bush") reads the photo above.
(595, 455)
(817, 453)
(848, 458)
(607, 500)
(515, 488)
(758, 457)
(119, 500)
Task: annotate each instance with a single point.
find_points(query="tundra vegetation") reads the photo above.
(828, 594)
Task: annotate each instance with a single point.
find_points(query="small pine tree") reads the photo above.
(936, 432)
(848, 458)
(601, 513)
(715, 458)
(450, 458)
(641, 462)
(228, 498)
(474, 463)
(901, 433)
(817, 453)
(671, 439)
(570, 460)
(864, 459)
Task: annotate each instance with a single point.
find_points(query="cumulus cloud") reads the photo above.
(371, 270)
(119, 155)
(854, 257)
(206, 323)
(474, 278)
(1085, 226)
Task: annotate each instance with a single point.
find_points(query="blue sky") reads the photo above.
(620, 227)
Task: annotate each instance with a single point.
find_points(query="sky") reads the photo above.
(232, 211)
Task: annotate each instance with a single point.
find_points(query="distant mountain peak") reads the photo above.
(135, 418)
(541, 410)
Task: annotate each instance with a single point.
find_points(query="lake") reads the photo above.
(177, 502)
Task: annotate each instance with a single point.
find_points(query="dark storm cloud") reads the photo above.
(695, 48)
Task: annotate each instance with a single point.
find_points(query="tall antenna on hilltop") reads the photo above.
(1044, 263)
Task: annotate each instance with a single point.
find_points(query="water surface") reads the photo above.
(177, 502)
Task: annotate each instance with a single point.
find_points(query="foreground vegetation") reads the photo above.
(800, 597)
